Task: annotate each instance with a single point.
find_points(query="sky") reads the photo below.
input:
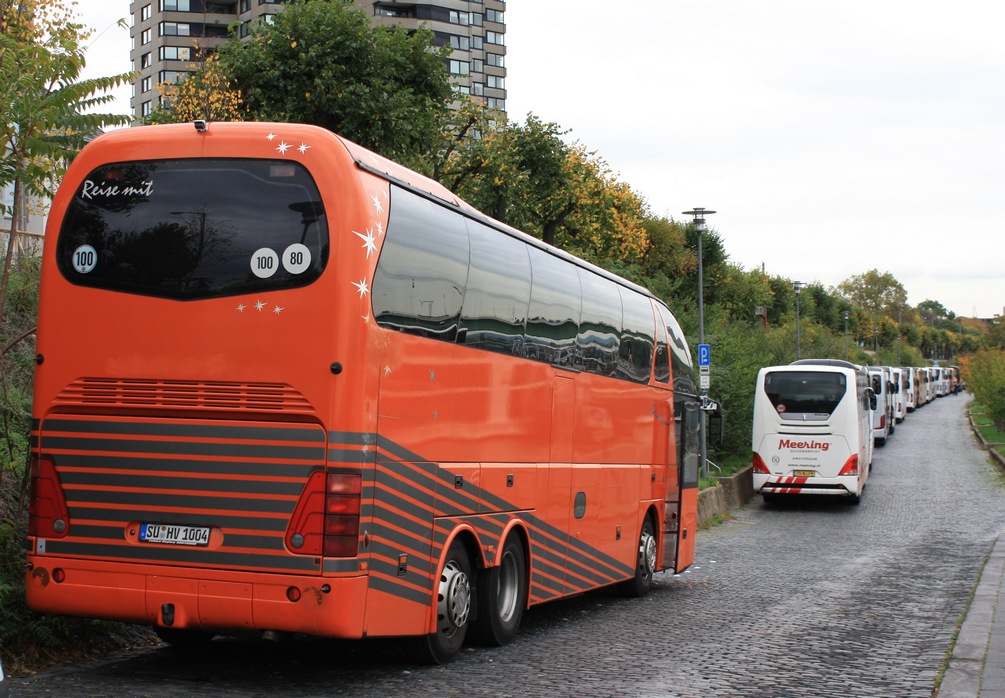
(831, 138)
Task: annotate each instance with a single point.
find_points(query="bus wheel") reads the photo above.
(502, 596)
(645, 564)
(453, 608)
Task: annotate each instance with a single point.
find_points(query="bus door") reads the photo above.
(681, 510)
(667, 461)
(687, 414)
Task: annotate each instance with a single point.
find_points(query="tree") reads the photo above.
(324, 63)
(878, 293)
(984, 373)
(527, 176)
(46, 121)
(205, 94)
(46, 106)
(996, 333)
(932, 312)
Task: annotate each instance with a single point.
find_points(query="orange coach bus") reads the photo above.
(286, 385)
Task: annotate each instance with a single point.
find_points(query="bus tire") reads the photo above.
(501, 596)
(453, 608)
(645, 564)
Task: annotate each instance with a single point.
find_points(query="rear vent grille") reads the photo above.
(183, 395)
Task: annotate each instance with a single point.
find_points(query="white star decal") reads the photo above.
(283, 147)
(362, 287)
(303, 148)
(241, 307)
(278, 310)
(271, 136)
(380, 228)
(366, 318)
(376, 203)
(368, 241)
(259, 305)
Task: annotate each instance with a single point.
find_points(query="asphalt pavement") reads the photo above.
(977, 666)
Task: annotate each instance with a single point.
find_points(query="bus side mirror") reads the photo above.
(714, 411)
(872, 400)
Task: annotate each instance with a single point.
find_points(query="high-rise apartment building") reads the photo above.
(170, 37)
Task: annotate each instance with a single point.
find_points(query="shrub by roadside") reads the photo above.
(984, 373)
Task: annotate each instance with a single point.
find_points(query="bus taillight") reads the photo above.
(342, 515)
(326, 520)
(760, 467)
(47, 513)
(850, 467)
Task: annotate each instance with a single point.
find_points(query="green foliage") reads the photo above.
(878, 293)
(740, 349)
(529, 177)
(996, 333)
(984, 374)
(324, 63)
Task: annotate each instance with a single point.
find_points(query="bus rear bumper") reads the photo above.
(825, 486)
(219, 601)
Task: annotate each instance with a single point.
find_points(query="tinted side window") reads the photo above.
(555, 309)
(600, 329)
(662, 368)
(680, 355)
(877, 383)
(498, 291)
(420, 278)
(636, 351)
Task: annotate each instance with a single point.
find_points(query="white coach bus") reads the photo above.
(812, 430)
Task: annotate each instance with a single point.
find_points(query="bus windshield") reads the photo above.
(809, 394)
(194, 229)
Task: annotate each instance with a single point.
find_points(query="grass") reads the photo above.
(727, 466)
(991, 435)
(715, 520)
(994, 438)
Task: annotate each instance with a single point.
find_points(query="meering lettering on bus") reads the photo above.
(286, 385)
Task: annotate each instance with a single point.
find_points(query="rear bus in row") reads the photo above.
(812, 432)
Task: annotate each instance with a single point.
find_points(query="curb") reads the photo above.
(965, 676)
(989, 447)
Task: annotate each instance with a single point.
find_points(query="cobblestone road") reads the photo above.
(813, 599)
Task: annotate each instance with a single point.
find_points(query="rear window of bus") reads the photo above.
(808, 394)
(194, 229)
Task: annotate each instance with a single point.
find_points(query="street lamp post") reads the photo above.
(847, 355)
(699, 228)
(797, 286)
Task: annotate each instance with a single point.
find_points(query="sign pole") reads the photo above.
(699, 227)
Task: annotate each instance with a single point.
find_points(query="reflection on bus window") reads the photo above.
(811, 393)
(195, 229)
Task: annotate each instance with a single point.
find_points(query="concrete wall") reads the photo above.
(731, 493)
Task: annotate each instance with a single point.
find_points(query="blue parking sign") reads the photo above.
(704, 355)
